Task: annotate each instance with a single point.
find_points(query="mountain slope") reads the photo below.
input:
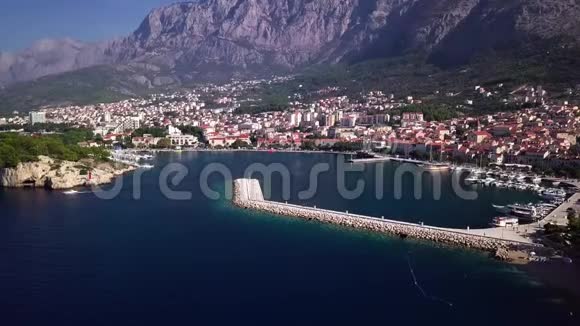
(95, 84)
(241, 34)
(49, 57)
(189, 41)
(251, 34)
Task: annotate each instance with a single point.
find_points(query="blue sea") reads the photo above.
(143, 259)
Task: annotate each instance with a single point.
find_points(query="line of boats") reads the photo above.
(520, 182)
(515, 214)
(133, 159)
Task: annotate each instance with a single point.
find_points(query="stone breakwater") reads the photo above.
(248, 195)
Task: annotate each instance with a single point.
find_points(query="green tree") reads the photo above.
(16, 148)
(347, 147)
(240, 144)
(308, 146)
(155, 132)
(195, 131)
(8, 156)
(164, 143)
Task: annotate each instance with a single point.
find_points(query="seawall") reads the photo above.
(248, 195)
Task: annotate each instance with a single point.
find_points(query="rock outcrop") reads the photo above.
(51, 174)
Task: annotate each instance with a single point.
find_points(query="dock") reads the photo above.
(380, 159)
(248, 195)
(370, 160)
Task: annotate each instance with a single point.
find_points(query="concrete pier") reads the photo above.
(248, 195)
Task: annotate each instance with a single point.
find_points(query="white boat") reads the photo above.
(435, 167)
(557, 202)
(553, 194)
(478, 172)
(548, 196)
(147, 166)
(527, 212)
(71, 192)
(505, 221)
(471, 180)
(488, 181)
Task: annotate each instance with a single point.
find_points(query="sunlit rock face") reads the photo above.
(253, 34)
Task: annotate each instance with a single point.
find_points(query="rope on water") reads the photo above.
(420, 288)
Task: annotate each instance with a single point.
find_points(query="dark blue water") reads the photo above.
(81, 260)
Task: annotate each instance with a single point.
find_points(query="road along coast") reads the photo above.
(248, 195)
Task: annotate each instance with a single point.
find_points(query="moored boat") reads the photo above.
(435, 167)
(471, 180)
(505, 221)
(526, 212)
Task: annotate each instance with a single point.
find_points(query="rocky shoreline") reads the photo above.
(52, 174)
(247, 195)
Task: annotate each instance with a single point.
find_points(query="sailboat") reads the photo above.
(435, 166)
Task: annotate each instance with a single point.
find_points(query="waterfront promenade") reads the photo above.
(248, 195)
(559, 216)
(388, 159)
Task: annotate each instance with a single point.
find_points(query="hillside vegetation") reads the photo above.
(551, 64)
(15, 148)
(554, 64)
(101, 84)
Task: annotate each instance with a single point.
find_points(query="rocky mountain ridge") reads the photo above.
(184, 40)
(49, 57)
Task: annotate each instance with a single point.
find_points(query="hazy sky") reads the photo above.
(24, 21)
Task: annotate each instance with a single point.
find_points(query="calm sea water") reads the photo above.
(80, 260)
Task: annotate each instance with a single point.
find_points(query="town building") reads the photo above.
(183, 140)
(37, 117)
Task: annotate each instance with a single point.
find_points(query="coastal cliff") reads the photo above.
(52, 174)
